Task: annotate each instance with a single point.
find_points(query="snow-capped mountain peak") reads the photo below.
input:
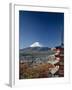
(36, 44)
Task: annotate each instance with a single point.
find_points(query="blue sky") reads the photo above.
(43, 27)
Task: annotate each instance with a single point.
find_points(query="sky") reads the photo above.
(43, 27)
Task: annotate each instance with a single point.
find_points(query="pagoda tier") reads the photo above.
(60, 55)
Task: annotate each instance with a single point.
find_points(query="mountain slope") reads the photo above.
(35, 49)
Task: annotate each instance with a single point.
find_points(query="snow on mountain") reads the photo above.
(36, 44)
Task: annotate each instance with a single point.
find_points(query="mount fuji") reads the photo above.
(36, 47)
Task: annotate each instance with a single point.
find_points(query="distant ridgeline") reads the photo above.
(35, 53)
